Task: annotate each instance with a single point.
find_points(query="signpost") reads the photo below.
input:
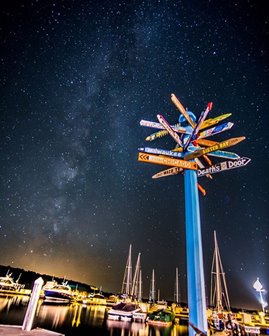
(190, 146)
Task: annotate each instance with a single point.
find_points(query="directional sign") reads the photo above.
(167, 126)
(214, 121)
(152, 124)
(164, 132)
(220, 145)
(182, 110)
(215, 130)
(166, 161)
(225, 154)
(168, 172)
(206, 142)
(160, 152)
(225, 165)
(198, 125)
(156, 135)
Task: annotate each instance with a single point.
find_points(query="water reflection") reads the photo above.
(6, 302)
(53, 315)
(72, 315)
(77, 319)
(142, 329)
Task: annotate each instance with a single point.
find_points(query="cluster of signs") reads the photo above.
(186, 154)
(217, 168)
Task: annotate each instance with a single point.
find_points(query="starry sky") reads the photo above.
(76, 79)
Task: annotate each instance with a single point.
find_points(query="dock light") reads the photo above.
(258, 287)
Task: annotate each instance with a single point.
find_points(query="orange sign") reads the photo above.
(162, 160)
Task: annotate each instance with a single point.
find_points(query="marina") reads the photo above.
(78, 318)
(65, 310)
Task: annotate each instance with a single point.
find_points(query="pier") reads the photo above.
(10, 330)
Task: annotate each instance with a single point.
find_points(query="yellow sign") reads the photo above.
(162, 160)
(213, 121)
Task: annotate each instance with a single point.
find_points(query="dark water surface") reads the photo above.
(79, 320)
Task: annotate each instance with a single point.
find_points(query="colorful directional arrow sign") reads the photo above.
(161, 160)
(225, 165)
(160, 152)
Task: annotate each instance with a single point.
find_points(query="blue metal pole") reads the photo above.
(195, 267)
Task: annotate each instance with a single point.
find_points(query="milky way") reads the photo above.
(76, 79)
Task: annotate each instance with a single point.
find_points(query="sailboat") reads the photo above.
(160, 314)
(219, 298)
(131, 289)
(222, 318)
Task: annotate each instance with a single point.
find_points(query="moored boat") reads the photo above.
(95, 299)
(161, 317)
(58, 293)
(7, 284)
(123, 311)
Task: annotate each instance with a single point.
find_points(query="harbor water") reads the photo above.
(78, 320)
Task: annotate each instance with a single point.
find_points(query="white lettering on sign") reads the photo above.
(226, 165)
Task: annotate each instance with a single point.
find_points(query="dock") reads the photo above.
(15, 330)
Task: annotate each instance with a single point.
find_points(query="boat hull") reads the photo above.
(57, 297)
(122, 312)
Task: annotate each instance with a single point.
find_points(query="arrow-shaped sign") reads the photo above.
(215, 130)
(220, 145)
(160, 152)
(182, 110)
(206, 142)
(225, 154)
(218, 153)
(198, 125)
(152, 124)
(150, 158)
(167, 126)
(222, 166)
(168, 172)
(156, 135)
(214, 121)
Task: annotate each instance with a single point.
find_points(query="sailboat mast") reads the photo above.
(152, 287)
(139, 295)
(218, 280)
(134, 292)
(127, 279)
(177, 287)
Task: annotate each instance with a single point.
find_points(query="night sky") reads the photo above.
(76, 79)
